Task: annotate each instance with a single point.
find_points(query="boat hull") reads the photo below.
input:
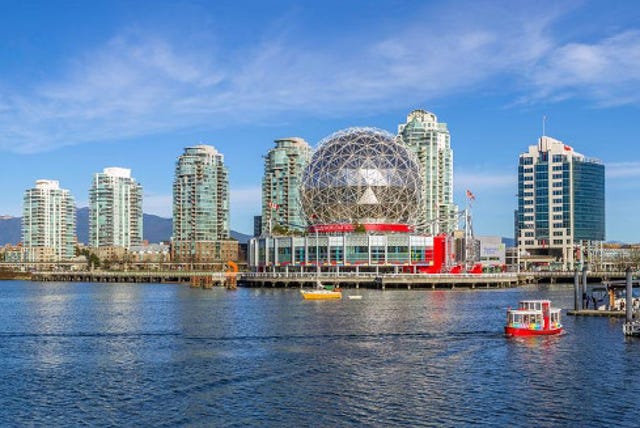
(523, 332)
(321, 295)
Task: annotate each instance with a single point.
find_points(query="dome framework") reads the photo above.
(362, 176)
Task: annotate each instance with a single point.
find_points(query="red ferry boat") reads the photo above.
(533, 318)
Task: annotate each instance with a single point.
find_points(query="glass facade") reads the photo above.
(115, 209)
(48, 222)
(560, 201)
(200, 203)
(345, 250)
(589, 218)
(430, 142)
(284, 166)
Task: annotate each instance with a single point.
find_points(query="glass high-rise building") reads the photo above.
(430, 141)
(284, 167)
(48, 222)
(115, 209)
(200, 206)
(560, 204)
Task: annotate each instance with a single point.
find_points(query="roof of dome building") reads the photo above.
(361, 175)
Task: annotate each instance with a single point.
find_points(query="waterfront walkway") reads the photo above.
(377, 280)
(175, 276)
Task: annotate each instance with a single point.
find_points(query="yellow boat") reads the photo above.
(321, 294)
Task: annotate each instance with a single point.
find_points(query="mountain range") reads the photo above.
(155, 228)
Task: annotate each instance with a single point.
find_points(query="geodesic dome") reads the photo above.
(361, 175)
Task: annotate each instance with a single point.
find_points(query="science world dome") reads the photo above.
(361, 176)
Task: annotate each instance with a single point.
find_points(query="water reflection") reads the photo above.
(168, 354)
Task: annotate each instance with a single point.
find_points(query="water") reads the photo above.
(166, 355)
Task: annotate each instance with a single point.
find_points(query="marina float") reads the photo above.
(533, 318)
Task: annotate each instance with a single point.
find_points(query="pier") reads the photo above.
(204, 279)
(374, 279)
(384, 281)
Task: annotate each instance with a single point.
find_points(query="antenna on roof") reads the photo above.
(544, 122)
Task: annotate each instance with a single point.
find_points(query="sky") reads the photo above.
(88, 85)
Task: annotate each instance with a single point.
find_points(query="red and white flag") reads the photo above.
(470, 195)
(273, 205)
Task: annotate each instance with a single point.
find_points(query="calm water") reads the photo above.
(166, 355)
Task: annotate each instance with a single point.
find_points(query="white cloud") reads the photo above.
(607, 71)
(141, 84)
(622, 170)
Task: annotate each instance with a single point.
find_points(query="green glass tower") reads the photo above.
(115, 209)
(284, 166)
(200, 205)
(48, 222)
(430, 141)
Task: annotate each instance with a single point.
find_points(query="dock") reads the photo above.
(596, 313)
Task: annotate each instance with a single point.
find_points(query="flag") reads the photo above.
(273, 205)
(470, 195)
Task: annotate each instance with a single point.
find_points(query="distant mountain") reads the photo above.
(10, 230)
(155, 228)
(242, 238)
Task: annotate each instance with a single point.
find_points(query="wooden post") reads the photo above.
(629, 299)
(576, 290)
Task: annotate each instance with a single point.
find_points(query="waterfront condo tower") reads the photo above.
(115, 209)
(48, 223)
(284, 167)
(200, 206)
(430, 141)
(560, 217)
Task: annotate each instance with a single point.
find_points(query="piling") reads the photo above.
(584, 285)
(629, 299)
(576, 291)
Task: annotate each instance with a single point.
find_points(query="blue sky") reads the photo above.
(87, 85)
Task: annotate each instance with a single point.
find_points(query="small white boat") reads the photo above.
(355, 297)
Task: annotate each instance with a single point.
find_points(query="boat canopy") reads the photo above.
(535, 305)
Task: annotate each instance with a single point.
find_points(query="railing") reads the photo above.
(313, 275)
(133, 273)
